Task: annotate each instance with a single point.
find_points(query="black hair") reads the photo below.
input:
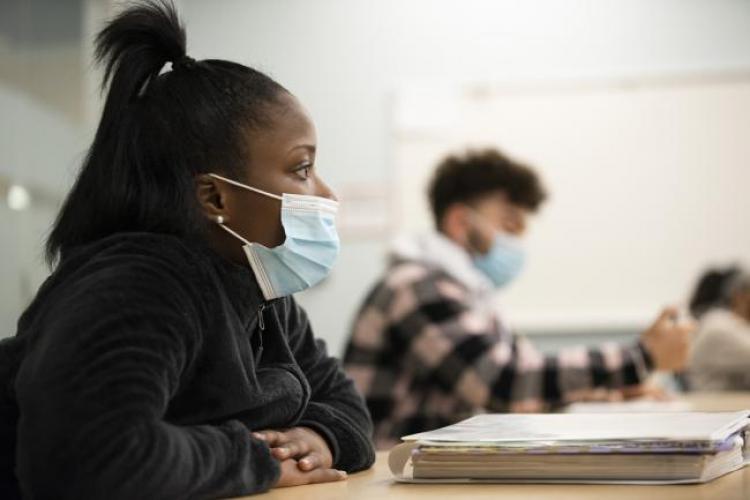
(713, 289)
(158, 130)
(467, 177)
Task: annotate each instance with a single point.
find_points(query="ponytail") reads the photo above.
(158, 130)
(133, 49)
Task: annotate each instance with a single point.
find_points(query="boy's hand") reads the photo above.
(668, 342)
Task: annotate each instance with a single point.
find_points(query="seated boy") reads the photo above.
(427, 348)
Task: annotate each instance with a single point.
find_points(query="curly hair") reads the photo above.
(467, 177)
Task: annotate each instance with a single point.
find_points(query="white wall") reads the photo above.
(344, 59)
(648, 179)
(39, 147)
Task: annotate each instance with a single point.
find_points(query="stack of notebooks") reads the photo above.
(634, 448)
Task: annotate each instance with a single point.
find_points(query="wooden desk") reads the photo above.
(378, 484)
(718, 401)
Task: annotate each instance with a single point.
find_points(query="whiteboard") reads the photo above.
(649, 182)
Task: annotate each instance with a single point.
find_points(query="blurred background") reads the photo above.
(636, 113)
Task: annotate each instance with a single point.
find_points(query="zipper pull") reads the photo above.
(261, 321)
(262, 327)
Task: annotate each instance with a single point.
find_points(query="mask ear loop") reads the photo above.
(257, 267)
(245, 186)
(220, 219)
(221, 224)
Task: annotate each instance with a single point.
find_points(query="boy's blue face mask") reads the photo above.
(309, 251)
(504, 261)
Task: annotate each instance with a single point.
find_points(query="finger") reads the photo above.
(310, 461)
(291, 449)
(273, 438)
(688, 327)
(291, 475)
(668, 314)
(281, 453)
(260, 435)
(326, 475)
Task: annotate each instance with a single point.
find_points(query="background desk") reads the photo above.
(378, 484)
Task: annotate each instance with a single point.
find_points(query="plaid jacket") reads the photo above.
(424, 353)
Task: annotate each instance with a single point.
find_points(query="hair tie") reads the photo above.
(185, 62)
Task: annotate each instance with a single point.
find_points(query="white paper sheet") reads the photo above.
(494, 429)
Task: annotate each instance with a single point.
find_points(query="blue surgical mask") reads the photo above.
(309, 251)
(504, 261)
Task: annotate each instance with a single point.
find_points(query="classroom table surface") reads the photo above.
(378, 483)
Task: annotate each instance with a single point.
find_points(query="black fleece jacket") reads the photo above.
(141, 367)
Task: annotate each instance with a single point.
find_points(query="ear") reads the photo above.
(456, 224)
(212, 197)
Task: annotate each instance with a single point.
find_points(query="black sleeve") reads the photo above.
(336, 409)
(94, 388)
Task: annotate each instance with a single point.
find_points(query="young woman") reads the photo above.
(165, 356)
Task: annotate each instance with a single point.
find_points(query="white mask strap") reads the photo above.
(245, 186)
(234, 233)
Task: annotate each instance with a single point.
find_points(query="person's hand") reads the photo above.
(304, 455)
(647, 391)
(300, 443)
(667, 341)
(292, 475)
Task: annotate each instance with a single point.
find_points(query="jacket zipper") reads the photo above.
(262, 327)
(261, 321)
